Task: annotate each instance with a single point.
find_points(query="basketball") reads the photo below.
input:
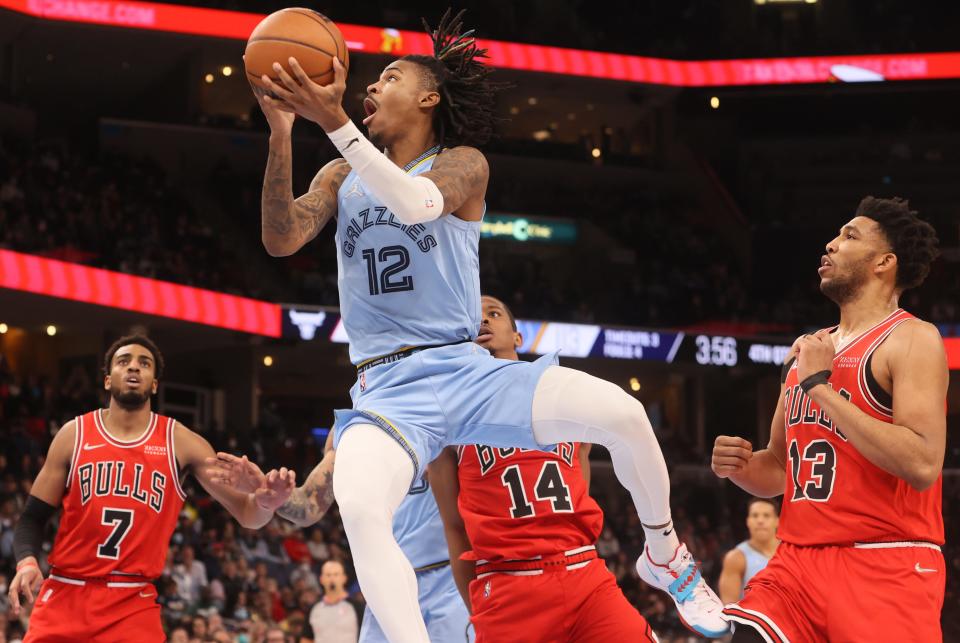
(307, 35)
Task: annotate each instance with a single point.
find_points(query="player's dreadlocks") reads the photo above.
(465, 114)
(912, 239)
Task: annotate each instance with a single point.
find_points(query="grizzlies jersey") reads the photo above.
(834, 495)
(404, 285)
(121, 504)
(755, 562)
(418, 528)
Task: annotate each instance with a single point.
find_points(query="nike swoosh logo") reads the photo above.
(923, 570)
(91, 447)
(668, 532)
(147, 595)
(356, 140)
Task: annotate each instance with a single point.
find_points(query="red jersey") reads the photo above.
(835, 496)
(523, 503)
(121, 503)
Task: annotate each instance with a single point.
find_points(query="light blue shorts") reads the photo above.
(456, 394)
(442, 607)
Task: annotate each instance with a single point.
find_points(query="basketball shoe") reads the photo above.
(699, 607)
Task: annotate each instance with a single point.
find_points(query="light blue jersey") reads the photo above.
(404, 285)
(755, 562)
(419, 532)
(418, 528)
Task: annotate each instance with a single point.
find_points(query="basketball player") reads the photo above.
(746, 559)
(408, 225)
(417, 528)
(856, 447)
(117, 472)
(521, 528)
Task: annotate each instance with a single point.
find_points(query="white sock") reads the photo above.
(571, 406)
(662, 543)
(371, 478)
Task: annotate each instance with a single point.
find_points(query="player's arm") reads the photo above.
(308, 503)
(760, 473)
(45, 496)
(287, 223)
(912, 447)
(193, 454)
(446, 489)
(731, 576)
(584, 455)
(455, 184)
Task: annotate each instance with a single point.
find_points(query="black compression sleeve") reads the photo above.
(28, 534)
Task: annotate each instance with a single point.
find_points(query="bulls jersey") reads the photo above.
(121, 502)
(523, 503)
(835, 496)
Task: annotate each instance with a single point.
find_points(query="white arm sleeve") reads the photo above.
(412, 199)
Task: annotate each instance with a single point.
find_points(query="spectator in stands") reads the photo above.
(190, 574)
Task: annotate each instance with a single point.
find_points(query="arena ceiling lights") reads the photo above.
(509, 55)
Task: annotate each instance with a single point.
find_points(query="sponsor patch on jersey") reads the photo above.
(153, 449)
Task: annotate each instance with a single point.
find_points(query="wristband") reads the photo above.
(23, 564)
(815, 380)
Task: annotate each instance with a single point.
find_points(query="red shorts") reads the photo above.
(582, 605)
(95, 611)
(884, 592)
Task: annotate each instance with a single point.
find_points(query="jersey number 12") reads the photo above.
(384, 279)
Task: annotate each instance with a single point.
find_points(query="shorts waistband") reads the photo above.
(432, 566)
(897, 545)
(112, 580)
(402, 354)
(564, 562)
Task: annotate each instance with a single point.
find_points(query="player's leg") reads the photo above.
(571, 406)
(59, 613)
(747, 635)
(126, 614)
(372, 476)
(603, 613)
(509, 609)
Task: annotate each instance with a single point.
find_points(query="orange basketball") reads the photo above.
(307, 35)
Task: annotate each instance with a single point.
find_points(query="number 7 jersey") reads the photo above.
(834, 495)
(121, 503)
(404, 285)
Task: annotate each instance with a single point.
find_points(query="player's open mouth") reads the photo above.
(484, 336)
(825, 265)
(370, 107)
(132, 380)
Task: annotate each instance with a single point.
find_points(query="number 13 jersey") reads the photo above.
(121, 503)
(834, 495)
(404, 285)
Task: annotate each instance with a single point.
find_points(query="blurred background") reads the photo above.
(662, 186)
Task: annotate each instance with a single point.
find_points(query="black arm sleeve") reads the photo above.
(786, 370)
(28, 534)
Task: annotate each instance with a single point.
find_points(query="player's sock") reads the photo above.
(372, 476)
(662, 542)
(572, 406)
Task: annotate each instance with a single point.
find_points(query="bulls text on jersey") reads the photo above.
(114, 478)
(488, 456)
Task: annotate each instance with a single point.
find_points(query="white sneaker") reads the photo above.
(699, 607)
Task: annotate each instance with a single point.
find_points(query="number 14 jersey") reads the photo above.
(834, 495)
(523, 503)
(121, 502)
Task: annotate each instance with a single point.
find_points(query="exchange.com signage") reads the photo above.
(526, 229)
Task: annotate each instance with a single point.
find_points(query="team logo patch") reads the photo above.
(363, 382)
(486, 590)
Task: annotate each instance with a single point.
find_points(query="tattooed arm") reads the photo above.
(461, 174)
(288, 223)
(308, 503)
